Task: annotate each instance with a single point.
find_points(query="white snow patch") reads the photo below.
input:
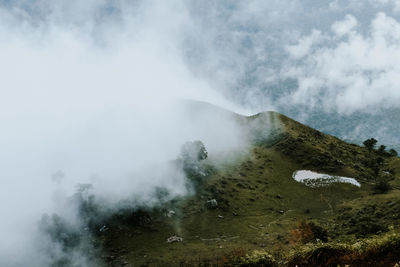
(314, 179)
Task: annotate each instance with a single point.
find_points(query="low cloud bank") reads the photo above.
(88, 107)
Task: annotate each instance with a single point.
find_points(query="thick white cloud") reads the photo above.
(95, 104)
(345, 26)
(358, 72)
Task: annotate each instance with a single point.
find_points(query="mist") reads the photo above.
(90, 92)
(89, 103)
(326, 63)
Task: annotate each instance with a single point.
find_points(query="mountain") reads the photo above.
(252, 212)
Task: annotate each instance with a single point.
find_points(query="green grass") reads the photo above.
(259, 203)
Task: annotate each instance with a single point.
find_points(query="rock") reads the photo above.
(212, 204)
(174, 239)
(103, 228)
(170, 213)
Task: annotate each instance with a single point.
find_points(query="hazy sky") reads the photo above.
(244, 49)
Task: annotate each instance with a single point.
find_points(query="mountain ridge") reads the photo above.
(253, 206)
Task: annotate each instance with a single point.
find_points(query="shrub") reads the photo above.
(307, 232)
(193, 151)
(381, 186)
(381, 149)
(370, 143)
(393, 153)
(191, 157)
(258, 258)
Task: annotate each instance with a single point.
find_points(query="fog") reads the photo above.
(90, 91)
(323, 63)
(83, 103)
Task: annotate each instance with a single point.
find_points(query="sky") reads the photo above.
(89, 90)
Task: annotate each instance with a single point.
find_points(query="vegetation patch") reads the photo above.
(375, 251)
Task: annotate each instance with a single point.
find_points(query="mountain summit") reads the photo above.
(251, 211)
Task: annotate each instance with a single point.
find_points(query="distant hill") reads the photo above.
(384, 125)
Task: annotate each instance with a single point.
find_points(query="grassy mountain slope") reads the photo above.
(262, 212)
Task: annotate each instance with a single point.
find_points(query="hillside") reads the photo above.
(251, 211)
